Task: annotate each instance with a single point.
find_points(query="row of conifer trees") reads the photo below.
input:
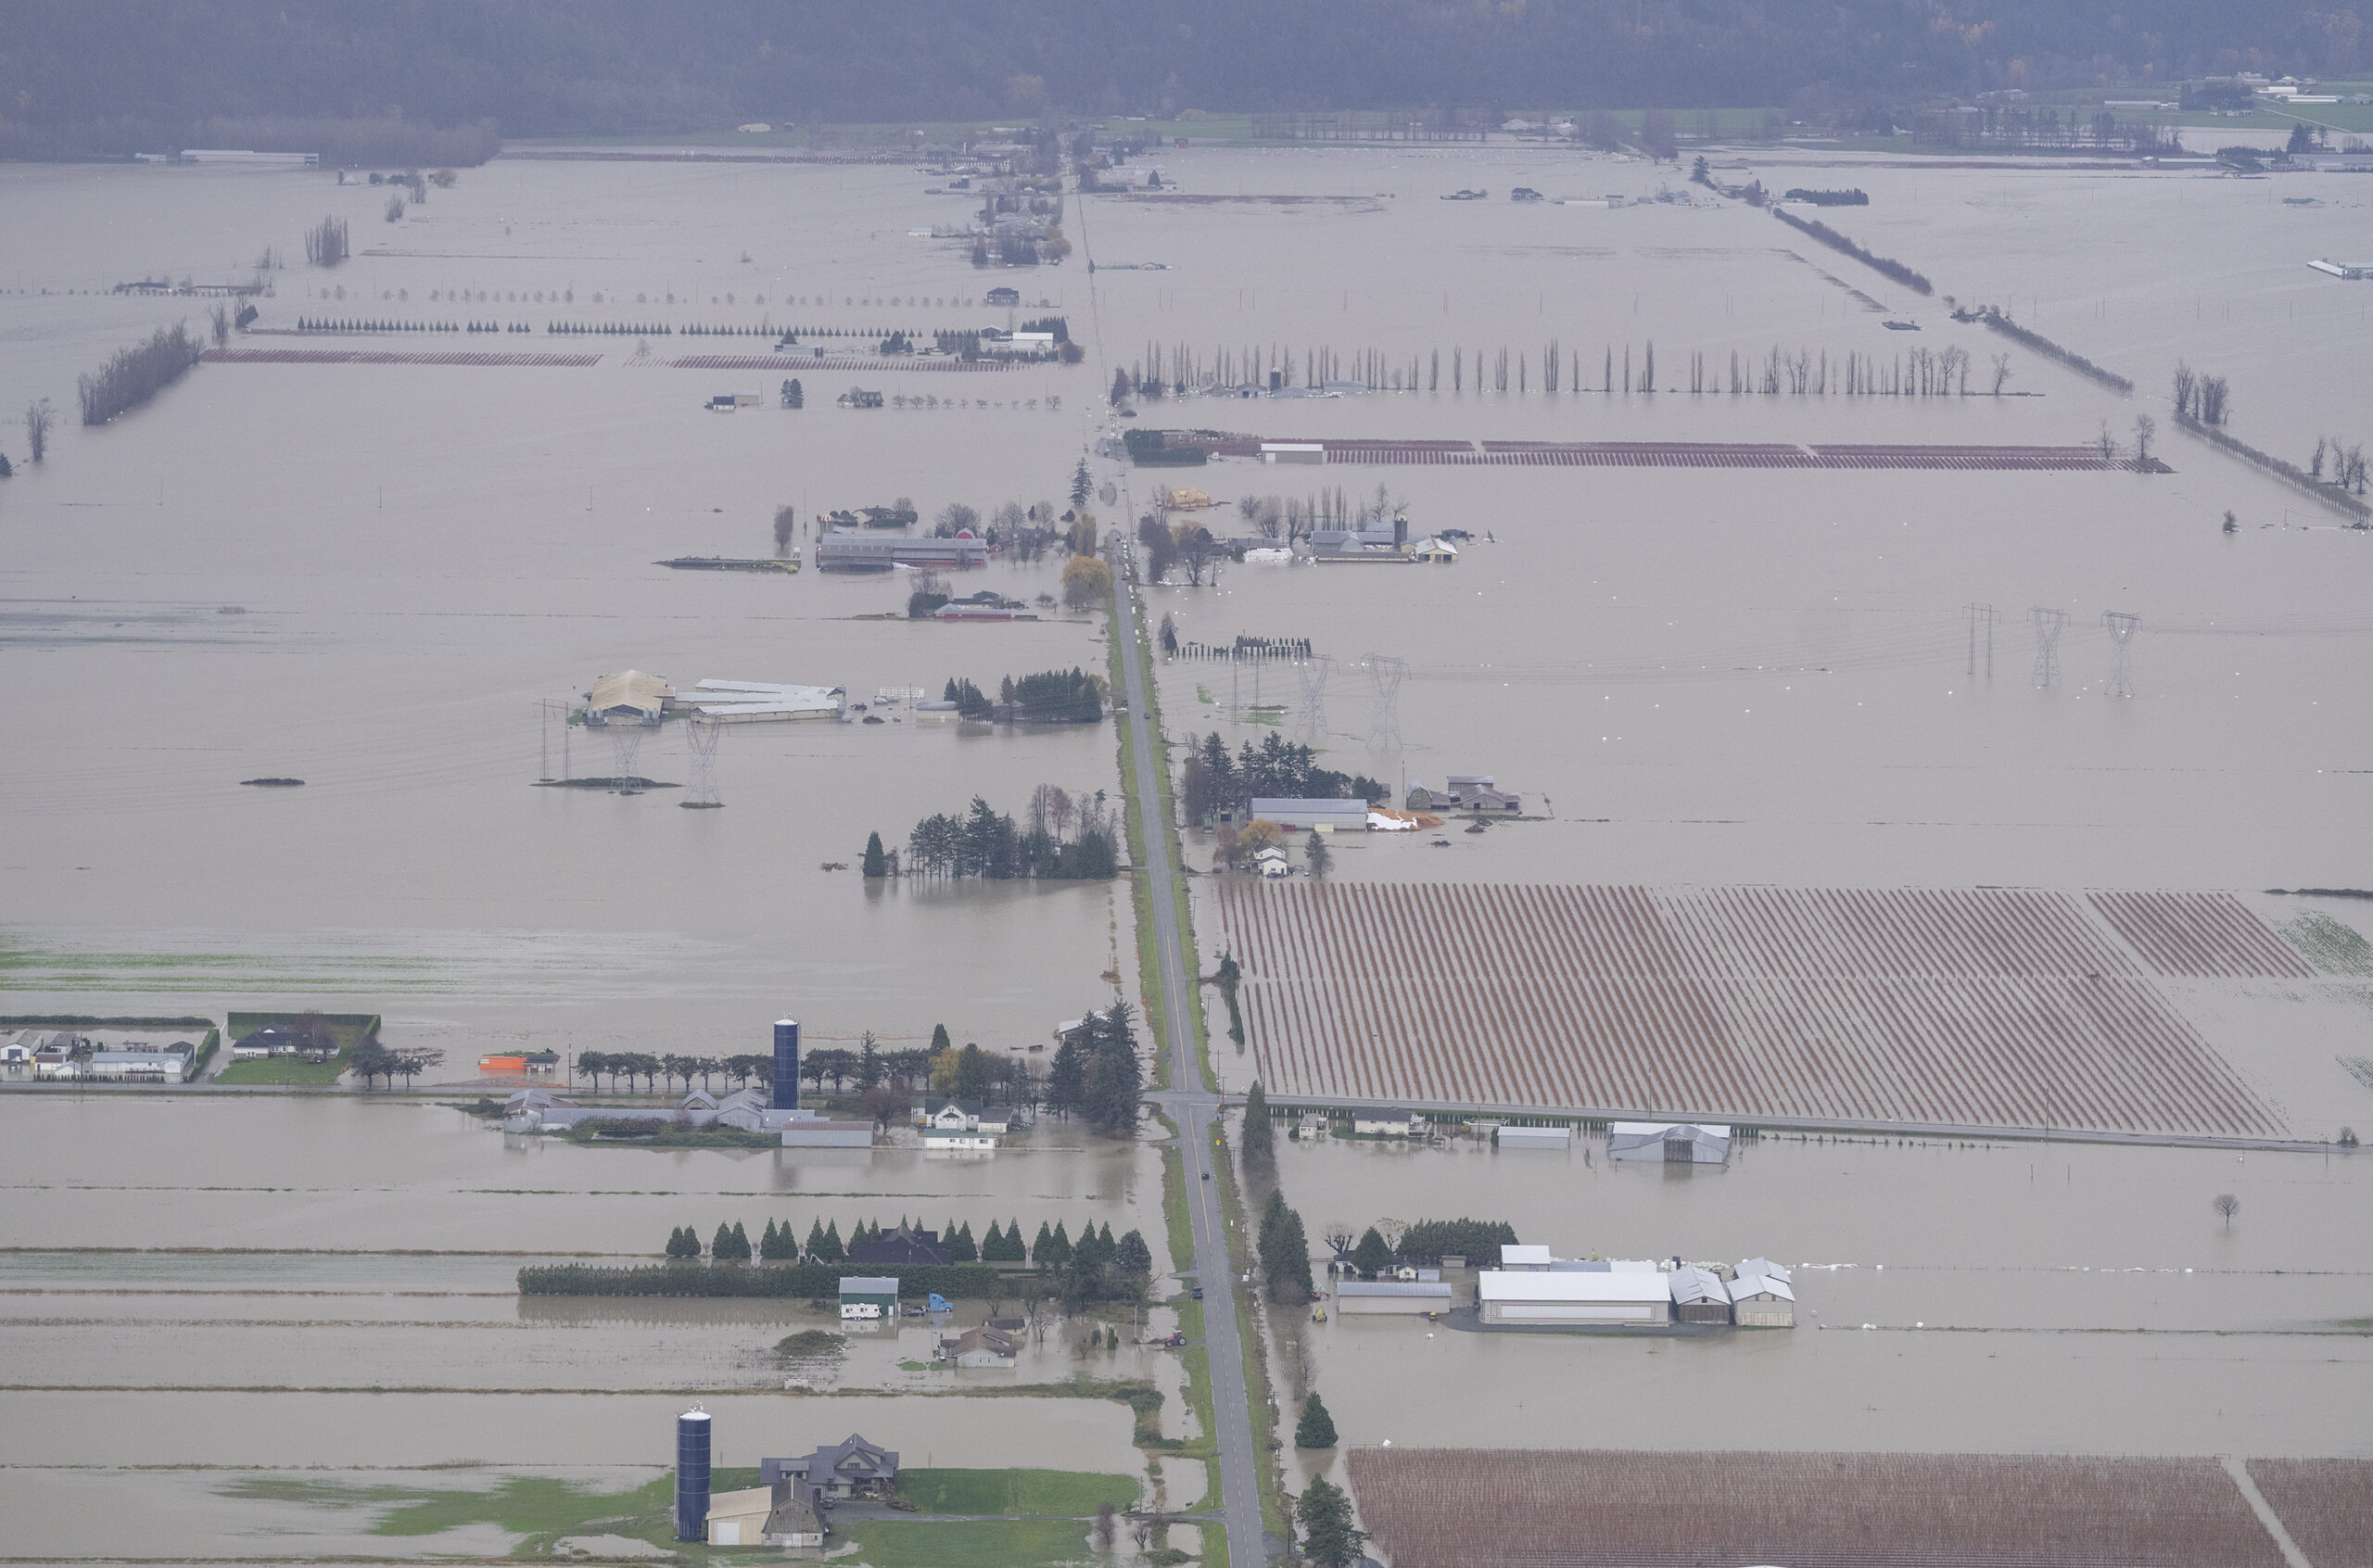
(1053, 1249)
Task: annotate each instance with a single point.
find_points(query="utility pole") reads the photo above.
(1980, 613)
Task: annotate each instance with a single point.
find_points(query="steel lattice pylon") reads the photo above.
(1311, 723)
(1386, 673)
(2123, 626)
(626, 745)
(2047, 624)
(700, 739)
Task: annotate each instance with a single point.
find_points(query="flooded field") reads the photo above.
(1953, 1297)
(368, 572)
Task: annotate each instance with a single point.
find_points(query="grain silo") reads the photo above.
(691, 1475)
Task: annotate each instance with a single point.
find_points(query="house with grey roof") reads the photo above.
(848, 1469)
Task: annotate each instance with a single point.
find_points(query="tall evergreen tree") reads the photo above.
(1132, 1256)
(1115, 1077)
(1081, 486)
(877, 860)
(961, 1248)
(1058, 1248)
(1373, 1254)
(768, 1241)
(1260, 1134)
(1042, 1251)
(1328, 1539)
(1067, 1077)
(1317, 1428)
(830, 1250)
(1290, 1281)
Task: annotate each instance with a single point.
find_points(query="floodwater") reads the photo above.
(368, 576)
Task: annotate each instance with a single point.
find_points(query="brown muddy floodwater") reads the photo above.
(368, 575)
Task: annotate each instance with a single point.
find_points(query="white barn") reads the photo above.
(1621, 1298)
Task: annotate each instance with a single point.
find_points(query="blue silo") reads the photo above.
(691, 1475)
(786, 1096)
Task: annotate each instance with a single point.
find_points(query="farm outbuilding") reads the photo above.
(1560, 1137)
(1762, 1301)
(1388, 1297)
(1674, 1142)
(1332, 816)
(1621, 1298)
(1388, 1124)
(1699, 1296)
(867, 1298)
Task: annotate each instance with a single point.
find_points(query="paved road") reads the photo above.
(1195, 1108)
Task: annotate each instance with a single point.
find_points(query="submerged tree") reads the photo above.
(1317, 1428)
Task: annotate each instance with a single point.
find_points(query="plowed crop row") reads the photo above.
(867, 362)
(1971, 1007)
(387, 356)
(2199, 934)
(1693, 454)
(2327, 1504)
(1436, 1507)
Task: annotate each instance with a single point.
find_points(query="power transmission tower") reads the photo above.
(2047, 624)
(2122, 629)
(626, 745)
(1313, 675)
(1384, 732)
(699, 738)
(1981, 614)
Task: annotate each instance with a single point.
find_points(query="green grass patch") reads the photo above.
(537, 1507)
(286, 1071)
(1060, 1494)
(992, 1543)
(1180, 1231)
(590, 1134)
(2332, 947)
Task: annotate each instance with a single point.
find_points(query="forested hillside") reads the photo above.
(90, 74)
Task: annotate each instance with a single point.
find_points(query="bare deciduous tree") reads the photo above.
(2187, 390)
(325, 243)
(2145, 430)
(1339, 1235)
(783, 521)
(2002, 372)
(2227, 1205)
(39, 416)
(2215, 401)
(2107, 442)
(219, 319)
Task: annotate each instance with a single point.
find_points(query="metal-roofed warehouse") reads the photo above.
(1674, 1142)
(1334, 817)
(1380, 1298)
(1623, 1298)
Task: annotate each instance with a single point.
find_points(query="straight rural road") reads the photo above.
(1191, 1103)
